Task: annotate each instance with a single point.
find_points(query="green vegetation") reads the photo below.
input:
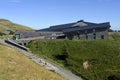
(103, 56)
(6, 36)
(16, 66)
(114, 35)
(8, 25)
(8, 28)
(1, 34)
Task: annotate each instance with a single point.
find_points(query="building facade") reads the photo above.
(38, 35)
(80, 30)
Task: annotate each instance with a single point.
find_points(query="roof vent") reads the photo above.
(81, 21)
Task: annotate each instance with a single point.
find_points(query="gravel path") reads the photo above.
(65, 73)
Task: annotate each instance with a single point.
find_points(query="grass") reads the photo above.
(16, 66)
(6, 25)
(103, 56)
(6, 36)
(114, 35)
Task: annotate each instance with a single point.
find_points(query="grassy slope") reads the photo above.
(6, 36)
(102, 55)
(6, 24)
(16, 66)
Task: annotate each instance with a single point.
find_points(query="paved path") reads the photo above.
(65, 73)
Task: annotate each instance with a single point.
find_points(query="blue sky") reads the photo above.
(40, 14)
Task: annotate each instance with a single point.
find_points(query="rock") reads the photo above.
(86, 65)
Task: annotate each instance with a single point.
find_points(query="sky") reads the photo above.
(39, 14)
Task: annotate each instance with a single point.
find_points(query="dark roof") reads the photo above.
(61, 27)
(45, 29)
(102, 25)
(75, 26)
(57, 27)
(69, 25)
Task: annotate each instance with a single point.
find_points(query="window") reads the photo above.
(94, 34)
(85, 31)
(102, 36)
(86, 34)
(78, 35)
(94, 37)
(94, 31)
(17, 36)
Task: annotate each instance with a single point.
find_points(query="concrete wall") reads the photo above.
(99, 35)
(41, 35)
(101, 32)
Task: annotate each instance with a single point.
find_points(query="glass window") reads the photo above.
(102, 36)
(86, 36)
(94, 37)
(78, 35)
(93, 30)
(94, 34)
(85, 31)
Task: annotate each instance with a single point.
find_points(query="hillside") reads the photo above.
(114, 35)
(8, 25)
(16, 66)
(102, 56)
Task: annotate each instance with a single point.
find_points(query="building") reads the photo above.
(27, 35)
(80, 30)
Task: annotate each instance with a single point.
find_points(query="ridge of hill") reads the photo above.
(6, 25)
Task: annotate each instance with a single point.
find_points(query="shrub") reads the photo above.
(114, 77)
(1, 34)
(116, 36)
(103, 55)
